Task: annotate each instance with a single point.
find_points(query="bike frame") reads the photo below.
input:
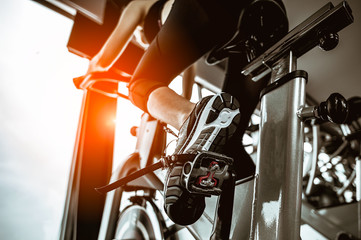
(269, 205)
(276, 207)
(277, 189)
(278, 179)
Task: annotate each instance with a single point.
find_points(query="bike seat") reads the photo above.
(261, 24)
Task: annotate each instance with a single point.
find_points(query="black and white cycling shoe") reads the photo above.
(209, 127)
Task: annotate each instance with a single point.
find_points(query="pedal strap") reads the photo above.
(164, 162)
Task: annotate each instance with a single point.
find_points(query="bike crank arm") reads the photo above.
(163, 163)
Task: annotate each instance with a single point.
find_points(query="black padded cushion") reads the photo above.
(261, 24)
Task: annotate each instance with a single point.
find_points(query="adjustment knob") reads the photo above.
(334, 109)
(328, 41)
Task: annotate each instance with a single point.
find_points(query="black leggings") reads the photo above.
(192, 29)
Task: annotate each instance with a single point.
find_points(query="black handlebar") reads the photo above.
(87, 82)
(112, 76)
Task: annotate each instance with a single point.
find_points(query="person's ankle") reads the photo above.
(184, 115)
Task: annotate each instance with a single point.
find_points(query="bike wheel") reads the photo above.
(130, 203)
(140, 219)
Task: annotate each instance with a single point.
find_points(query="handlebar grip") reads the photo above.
(78, 80)
(118, 76)
(87, 82)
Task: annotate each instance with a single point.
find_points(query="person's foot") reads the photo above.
(209, 127)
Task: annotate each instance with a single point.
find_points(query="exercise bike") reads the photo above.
(265, 205)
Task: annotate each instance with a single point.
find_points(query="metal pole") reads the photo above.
(91, 166)
(277, 192)
(358, 193)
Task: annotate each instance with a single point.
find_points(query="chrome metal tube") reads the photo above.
(315, 151)
(278, 182)
(358, 179)
(358, 193)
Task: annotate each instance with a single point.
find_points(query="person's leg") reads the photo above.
(167, 106)
(188, 79)
(247, 92)
(192, 29)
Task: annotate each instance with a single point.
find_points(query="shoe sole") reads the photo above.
(218, 122)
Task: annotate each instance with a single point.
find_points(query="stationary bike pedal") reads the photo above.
(206, 173)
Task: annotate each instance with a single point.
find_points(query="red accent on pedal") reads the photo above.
(209, 180)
